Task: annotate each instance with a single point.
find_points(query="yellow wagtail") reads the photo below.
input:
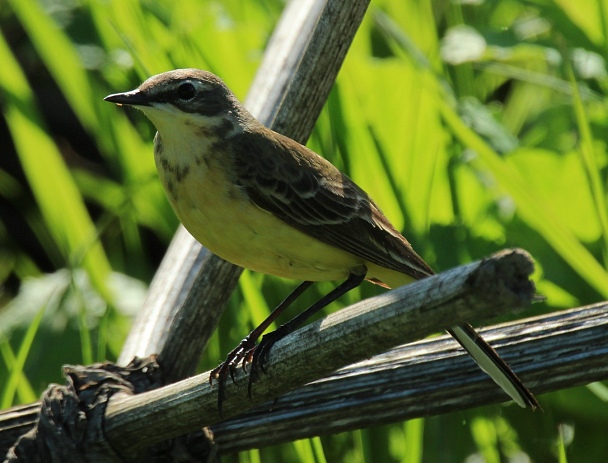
(263, 201)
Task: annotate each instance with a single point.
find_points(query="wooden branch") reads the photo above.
(15, 422)
(430, 377)
(551, 352)
(192, 286)
(435, 376)
(475, 291)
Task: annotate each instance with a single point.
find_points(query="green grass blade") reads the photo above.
(484, 435)
(304, 449)
(530, 207)
(587, 151)
(57, 196)
(561, 444)
(414, 440)
(254, 304)
(16, 377)
(25, 391)
(60, 56)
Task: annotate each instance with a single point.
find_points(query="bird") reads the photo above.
(263, 201)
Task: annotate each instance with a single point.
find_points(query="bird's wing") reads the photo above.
(310, 194)
(306, 191)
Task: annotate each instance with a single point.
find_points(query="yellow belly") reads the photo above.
(258, 241)
(229, 225)
(226, 222)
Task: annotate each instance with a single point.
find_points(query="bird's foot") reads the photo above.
(243, 353)
(247, 352)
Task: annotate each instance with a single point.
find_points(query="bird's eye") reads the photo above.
(186, 91)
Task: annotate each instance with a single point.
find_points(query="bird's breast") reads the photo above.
(220, 216)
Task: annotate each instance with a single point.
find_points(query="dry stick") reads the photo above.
(370, 327)
(550, 352)
(16, 421)
(430, 377)
(192, 286)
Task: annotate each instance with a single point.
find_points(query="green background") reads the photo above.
(474, 125)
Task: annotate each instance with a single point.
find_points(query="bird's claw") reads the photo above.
(243, 353)
(247, 352)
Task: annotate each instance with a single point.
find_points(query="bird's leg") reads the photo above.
(247, 344)
(258, 354)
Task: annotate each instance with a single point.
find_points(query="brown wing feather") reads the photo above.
(306, 191)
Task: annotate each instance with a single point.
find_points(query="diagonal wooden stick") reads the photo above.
(475, 291)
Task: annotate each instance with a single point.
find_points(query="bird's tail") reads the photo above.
(490, 362)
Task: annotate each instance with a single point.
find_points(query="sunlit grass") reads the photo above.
(506, 147)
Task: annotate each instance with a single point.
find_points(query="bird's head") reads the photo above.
(186, 97)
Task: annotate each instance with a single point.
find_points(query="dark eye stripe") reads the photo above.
(196, 97)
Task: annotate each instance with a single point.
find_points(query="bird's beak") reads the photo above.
(133, 98)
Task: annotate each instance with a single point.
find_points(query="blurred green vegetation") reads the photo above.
(476, 125)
